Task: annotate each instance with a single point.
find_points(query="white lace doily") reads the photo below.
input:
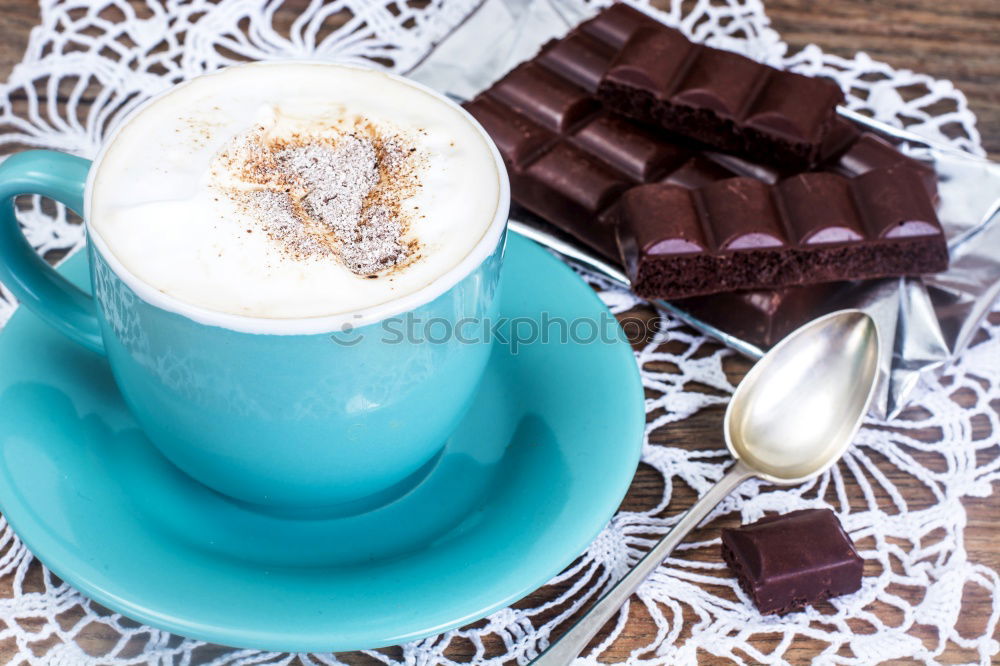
(88, 63)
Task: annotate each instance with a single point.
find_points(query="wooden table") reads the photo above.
(955, 40)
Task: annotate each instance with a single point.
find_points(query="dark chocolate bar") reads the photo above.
(741, 233)
(570, 160)
(720, 98)
(785, 562)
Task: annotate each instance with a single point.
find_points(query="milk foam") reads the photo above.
(157, 206)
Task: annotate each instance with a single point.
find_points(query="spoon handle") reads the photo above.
(572, 643)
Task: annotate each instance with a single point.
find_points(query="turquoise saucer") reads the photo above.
(526, 482)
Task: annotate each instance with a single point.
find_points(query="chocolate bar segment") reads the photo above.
(719, 98)
(741, 233)
(570, 160)
(785, 562)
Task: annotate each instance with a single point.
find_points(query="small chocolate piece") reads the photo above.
(785, 562)
(741, 233)
(719, 98)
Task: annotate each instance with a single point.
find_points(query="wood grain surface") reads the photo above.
(957, 40)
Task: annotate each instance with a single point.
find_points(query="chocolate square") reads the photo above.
(785, 562)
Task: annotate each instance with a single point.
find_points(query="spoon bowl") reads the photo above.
(797, 410)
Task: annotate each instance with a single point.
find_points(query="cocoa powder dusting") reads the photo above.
(335, 195)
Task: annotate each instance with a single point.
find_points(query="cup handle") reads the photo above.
(35, 283)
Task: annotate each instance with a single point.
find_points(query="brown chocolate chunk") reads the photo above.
(785, 562)
(741, 233)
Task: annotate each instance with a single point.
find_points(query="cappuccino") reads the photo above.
(293, 190)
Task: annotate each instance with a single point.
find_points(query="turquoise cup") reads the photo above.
(336, 414)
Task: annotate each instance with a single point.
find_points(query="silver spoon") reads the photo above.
(790, 419)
